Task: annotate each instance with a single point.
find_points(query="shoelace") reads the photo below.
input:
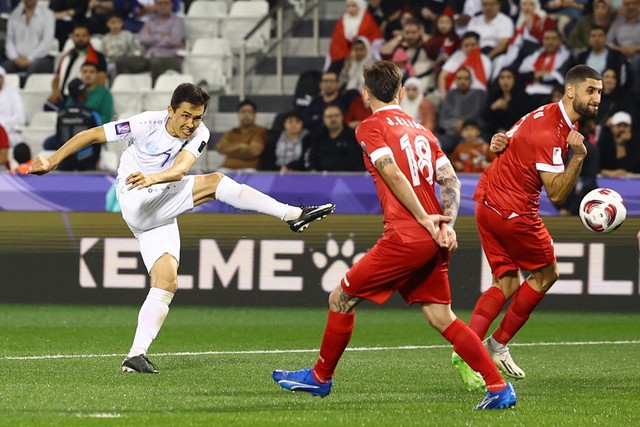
(153, 365)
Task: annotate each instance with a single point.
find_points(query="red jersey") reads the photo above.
(416, 152)
(537, 142)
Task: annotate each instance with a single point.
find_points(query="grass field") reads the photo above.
(60, 367)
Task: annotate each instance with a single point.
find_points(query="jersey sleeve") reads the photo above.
(198, 141)
(126, 129)
(548, 152)
(371, 138)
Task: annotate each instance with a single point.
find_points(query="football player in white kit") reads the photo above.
(153, 189)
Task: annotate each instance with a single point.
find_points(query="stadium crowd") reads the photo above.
(471, 68)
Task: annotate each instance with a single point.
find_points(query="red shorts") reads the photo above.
(519, 243)
(418, 269)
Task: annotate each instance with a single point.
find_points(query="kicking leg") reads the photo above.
(226, 190)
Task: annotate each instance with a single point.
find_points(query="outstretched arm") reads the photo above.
(176, 172)
(81, 140)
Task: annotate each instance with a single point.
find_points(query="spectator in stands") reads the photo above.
(401, 59)
(416, 105)
(546, 67)
(601, 16)
(395, 22)
(614, 98)
(619, 147)
(335, 148)
(429, 11)
(468, 56)
(412, 41)
(461, 103)
(71, 62)
(469, 9)
(507, 102)
(161, 37)
(387, 14)
(287, 152)
(494, 28)
(329, 95)
(98, 98)
(29, 39)
(566, 13)
(624, 36)
(443, 42)
(242, 146)
(356, 21)
(600, 57)
(22, 156)
(12, 112)
(144, 10)
(529, 30)
(358, 110)
(66, 13)
(118, 43)
(360, 57)
(4, 151)
(472, 154)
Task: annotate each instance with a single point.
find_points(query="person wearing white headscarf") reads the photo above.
(356, 21)
(416, 105)
(360, 57)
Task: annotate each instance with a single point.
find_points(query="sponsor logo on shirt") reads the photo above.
(202, 145)
(122, 128)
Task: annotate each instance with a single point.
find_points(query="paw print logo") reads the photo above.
(335, 261)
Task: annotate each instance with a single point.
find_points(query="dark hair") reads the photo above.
(188, 92)
(82, 24)
(470, 34)
(598, 27)
(580, 73)
(22, 153)
(249, 103)
(293, 114)
(412, 21)
(383, 80)
(92, 64)
(470, 122)
(114, 14)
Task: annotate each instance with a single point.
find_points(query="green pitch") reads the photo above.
(60, 366)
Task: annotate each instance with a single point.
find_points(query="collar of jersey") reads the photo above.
(389, 107)
(564, 114)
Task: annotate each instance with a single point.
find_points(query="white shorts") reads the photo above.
(151, 215)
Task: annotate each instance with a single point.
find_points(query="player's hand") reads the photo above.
(576, 142)
(499, 143)
(447, 237)
(432, 224)
(139, 180)
(40, 166)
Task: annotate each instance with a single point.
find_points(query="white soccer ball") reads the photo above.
(602, 210)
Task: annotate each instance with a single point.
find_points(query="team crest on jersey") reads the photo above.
(122, 128)
(364, 148)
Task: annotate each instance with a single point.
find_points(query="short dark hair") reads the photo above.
(90, 64)
(293, 114)
(412, 21)
(22, 153)
(470, 122)
(82, 24)
(598, 27)
(470, 34)
(580, 73)
(247, 102)
(383, 80)
(188, 92)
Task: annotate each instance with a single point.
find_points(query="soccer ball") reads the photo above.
(602, 210)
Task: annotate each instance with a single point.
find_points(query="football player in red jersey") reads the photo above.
(512, 233)
(412, 256)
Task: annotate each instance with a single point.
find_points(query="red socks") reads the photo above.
(337, 335)
(524, 301)
(467, 344)
(487, 309)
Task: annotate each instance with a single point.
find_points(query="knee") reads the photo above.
(341, 302)
(549, 279)
(212, 180)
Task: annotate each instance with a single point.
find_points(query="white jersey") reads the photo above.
(150, 148)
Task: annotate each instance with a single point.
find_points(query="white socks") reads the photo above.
(150, 319)
(243, 197)
(495, 346)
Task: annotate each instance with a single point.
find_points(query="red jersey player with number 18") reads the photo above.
(512, 233)
(412, 257)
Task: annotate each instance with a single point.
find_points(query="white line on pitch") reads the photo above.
(313, 350)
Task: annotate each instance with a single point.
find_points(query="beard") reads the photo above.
(582, 108)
